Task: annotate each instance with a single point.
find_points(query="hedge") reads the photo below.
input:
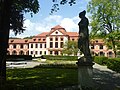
(114, 64)
(19, 57)
(51, 57)
(101, 60)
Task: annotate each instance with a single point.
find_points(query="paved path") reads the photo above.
(105, 79)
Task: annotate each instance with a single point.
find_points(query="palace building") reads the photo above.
(50, 43)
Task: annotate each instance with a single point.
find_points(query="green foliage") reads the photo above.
(101, 60)
(17, 10)
(55, 65)
(105, 20)
(50, 57)
(70, 48)
(56, 4)
(114, 64)
(30, 37)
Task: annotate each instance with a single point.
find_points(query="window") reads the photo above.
(40, 45)
(14, 46)
(31, 45)
(92, 46)
(101, 46)
(21, 53)
(101, 54)
(51, 39)
(56, 52)
(39, 39)
(61, 39)
(31, 52)
(36, 45)
(96, 41)
(73, 39)
(56, 32)
(51, 44)
(45, 52)
(40, 52)
(43, 39)
(36, 52)
(56, 44)
(61, 44)
(34, 39)
(45, 45)
(21, 46)
(14, 53)
(56, 39)
(50, 52)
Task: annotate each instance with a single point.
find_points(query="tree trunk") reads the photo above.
(4, 36)
(114, 49)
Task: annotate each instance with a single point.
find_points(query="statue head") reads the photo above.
(82, 14)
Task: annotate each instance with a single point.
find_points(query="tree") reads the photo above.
(70, 48)
(12, 17)
(105, 19)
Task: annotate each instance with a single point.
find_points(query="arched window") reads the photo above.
(8, 53)
(110, 54)
(21, 53)
(101, 53)
(14, 53)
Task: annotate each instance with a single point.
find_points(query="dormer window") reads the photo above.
(43, 39)
(26, 40)
(39, 39)
(12, 40)
(96, 41)
(34, 39)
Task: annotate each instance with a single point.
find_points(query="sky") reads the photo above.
(67, 17)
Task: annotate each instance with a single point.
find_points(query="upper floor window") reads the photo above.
(43, 39)
(56, 44)
(61, 39)
(92, 46)
(61, 44)
(36, 45)
(101, 46)
(56, 39)
(51, 39)
(21, 46)
(31, 45)
(51, 44)
(45, 45)
(40, 45)
(14, 46)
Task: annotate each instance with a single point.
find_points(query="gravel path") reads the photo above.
(105, 79)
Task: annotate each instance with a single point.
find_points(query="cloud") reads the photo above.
(45, 25)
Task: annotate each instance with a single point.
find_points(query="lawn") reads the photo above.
(40, 78)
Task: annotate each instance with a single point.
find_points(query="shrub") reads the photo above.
(101, 60)
(114, 64)
(50, 57)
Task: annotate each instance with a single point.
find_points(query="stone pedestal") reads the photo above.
(85, 74)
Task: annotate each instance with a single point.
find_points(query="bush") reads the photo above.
(114, 64)
(19, 57)
(50, 57)
(64, 66)
(101, 60)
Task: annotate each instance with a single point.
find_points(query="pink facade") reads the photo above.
(51, 43)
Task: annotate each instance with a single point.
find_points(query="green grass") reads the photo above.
(40, 78)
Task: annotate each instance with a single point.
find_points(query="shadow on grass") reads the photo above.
(40, 78)
(106, 80)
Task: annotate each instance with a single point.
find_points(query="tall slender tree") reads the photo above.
(105, 19)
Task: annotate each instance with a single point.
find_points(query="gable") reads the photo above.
(56, 32)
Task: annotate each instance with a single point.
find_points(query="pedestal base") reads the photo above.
(85, 74)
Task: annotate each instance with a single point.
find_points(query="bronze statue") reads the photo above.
(83, 41)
